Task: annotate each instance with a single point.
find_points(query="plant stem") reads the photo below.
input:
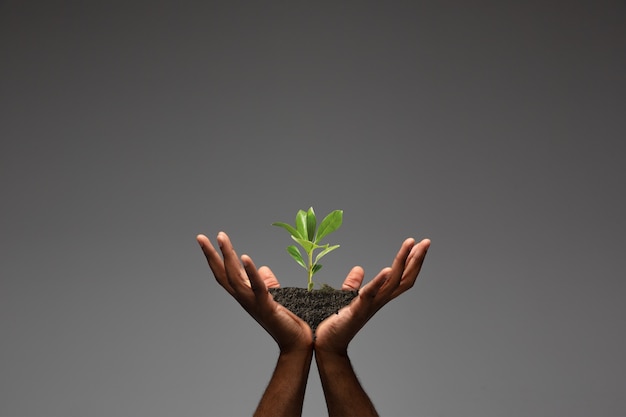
(310, 270)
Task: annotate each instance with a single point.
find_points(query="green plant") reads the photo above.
(309, 235)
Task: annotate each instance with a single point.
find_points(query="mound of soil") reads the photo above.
(313, 306)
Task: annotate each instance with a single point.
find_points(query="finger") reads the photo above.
(256, 282)
(417, 256)
(397, 267)
(235, 273)
(413, 267)
(373, 287)
(354, 279)
(268, 277)
(215, 262)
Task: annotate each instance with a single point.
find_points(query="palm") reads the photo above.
(286, 327)
(336, 332)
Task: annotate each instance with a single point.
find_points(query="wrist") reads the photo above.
(296, 364)
(296, 352)
(331, 351)
(299, 347)
(331, 358)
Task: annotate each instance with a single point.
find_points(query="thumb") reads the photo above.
(354, 279)
(268, 277)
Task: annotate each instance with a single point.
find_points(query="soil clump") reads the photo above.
(313, 306)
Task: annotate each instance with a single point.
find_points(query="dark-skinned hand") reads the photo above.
(335, 333)
(241, 279)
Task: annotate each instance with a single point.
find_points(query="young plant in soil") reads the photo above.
(312, 306)
(308, 236)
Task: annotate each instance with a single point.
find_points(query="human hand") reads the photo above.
(335, 333)
(249, 287)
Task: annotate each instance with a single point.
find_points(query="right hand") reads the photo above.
(249, 287)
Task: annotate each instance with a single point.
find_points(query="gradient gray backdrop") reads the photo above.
(494, 128)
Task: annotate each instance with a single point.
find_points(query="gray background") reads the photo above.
(494, 128)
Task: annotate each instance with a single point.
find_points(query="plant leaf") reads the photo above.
(326, 250)
(301, 224)
(310, 286)
(288, 227)
(296, 255)
(311, 224)
(329, 224)
(306, 245)
(316, 268)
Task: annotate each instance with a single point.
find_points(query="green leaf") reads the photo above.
(311, 223)
(301, 224)
(316, 268)
(329, 224)
(296, 255)
(287, 227)
(308, 232)
(326, 250)
(306, 245)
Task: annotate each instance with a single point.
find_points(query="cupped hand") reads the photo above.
(247, 285)
(335, 333)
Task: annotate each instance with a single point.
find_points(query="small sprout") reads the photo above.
(309, 235)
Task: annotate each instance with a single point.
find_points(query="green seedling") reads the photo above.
(309, 235)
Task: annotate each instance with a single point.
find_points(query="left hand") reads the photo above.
(335, 333)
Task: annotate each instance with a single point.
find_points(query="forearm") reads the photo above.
(284, 394)
(343, 391)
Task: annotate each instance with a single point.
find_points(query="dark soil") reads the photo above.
(313, 306)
